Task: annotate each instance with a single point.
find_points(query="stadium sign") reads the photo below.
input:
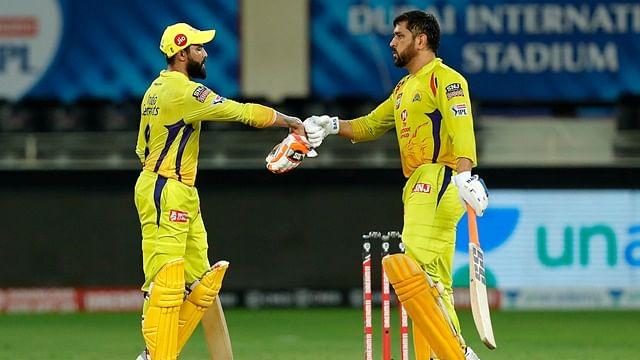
(29, 35)
(559, 239)
(574, 47)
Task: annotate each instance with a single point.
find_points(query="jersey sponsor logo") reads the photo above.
(201, 93)
(150, 111)
(459, 110)
(178, 216)
(151, 107)
(399, 85)
(180, 39)
(406, 130)
(416, 97)
(422, 188)
(454, 90)
(398, 100)
(218, 100)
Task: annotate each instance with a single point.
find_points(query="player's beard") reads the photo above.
(196, 70)
(401, 59)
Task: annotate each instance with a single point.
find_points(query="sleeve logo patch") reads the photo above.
(201, 93)
(459, 110)
(178, 216)
(421, 188)
(218, 100)
(454, 90)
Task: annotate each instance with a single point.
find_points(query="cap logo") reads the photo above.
(180, 39)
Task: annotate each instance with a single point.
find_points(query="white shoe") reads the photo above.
(144, 355)
(470, 355)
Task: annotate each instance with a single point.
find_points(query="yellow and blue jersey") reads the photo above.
(431, 112)
(172, 110)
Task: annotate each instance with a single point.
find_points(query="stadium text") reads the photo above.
(14, 54)
(512, 19)
(364, 19)
(537, 57)
(618, 18)
(522, 38)
(583, 244)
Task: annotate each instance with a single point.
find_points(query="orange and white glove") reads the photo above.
(289, 154)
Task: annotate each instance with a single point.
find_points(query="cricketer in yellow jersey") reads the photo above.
(430, 110)
(180, 284)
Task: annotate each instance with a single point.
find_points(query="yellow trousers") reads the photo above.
(172, 227)
(431, 213)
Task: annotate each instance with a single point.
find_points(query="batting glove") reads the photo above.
(288, 154)
(472, 191)
(319, 127)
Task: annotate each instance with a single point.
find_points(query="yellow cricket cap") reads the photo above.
(178, 36)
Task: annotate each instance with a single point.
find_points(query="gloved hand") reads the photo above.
(472, 191)
(288, 154)
(319, 127)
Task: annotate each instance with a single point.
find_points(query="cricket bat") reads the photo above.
(216, 334)
(478, 284)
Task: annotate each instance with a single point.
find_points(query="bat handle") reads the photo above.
(473, 226)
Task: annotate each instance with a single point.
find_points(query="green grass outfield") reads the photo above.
(320, 334)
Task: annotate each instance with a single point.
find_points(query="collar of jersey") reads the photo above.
(429, 66)
(173, 74)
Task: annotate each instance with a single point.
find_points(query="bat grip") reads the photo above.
(473, 226)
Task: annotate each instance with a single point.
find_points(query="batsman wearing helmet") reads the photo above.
(180, 285)
(430, 110)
